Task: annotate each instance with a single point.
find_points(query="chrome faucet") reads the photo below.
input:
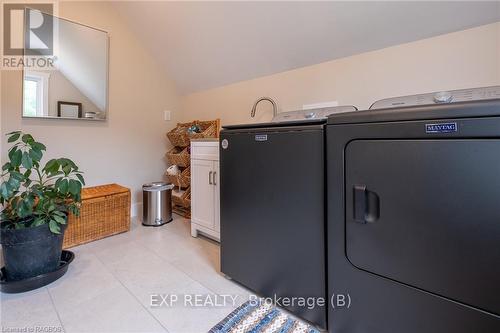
(269, 99)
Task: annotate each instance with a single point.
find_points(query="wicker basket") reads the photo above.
(105, 212)
(179, 156)
(184, 178)
(180, 137)
(182, 211)
(209, 129)
(183, 200)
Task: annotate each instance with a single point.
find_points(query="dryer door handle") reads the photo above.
(366, 205)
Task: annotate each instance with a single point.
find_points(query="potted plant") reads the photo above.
(36, 202)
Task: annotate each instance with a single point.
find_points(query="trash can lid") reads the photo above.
(157, 186)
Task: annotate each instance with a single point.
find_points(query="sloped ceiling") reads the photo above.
(83, 60)
(203, 45)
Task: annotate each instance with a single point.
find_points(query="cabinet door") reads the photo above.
(202, 193)
(217, 197)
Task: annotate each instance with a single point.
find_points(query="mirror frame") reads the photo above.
(107, 72)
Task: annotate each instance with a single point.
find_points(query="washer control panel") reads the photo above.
(440, 97)
(310, 114)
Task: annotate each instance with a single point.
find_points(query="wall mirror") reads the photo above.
(65, 74)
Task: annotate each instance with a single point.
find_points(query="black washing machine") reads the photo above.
(273, 211)
(413, 215)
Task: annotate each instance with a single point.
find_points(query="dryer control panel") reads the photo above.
(441, 97)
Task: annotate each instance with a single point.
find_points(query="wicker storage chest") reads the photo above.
(105, 212)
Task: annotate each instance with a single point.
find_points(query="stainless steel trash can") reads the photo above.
(156, 203)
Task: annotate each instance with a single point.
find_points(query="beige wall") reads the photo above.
(61, 89)
(129, 147)
(465, 59)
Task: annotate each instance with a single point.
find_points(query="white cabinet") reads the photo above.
(205, 200)
(202, 193)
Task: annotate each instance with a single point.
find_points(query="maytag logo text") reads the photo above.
(441, 128)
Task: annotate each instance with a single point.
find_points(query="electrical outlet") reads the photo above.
(166, 115)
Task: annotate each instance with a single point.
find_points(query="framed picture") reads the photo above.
(69, 109)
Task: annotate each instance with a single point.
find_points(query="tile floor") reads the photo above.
(108, 287)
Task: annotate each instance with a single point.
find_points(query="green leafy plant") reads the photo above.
(33, 195)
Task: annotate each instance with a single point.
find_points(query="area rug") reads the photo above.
(252, 317)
